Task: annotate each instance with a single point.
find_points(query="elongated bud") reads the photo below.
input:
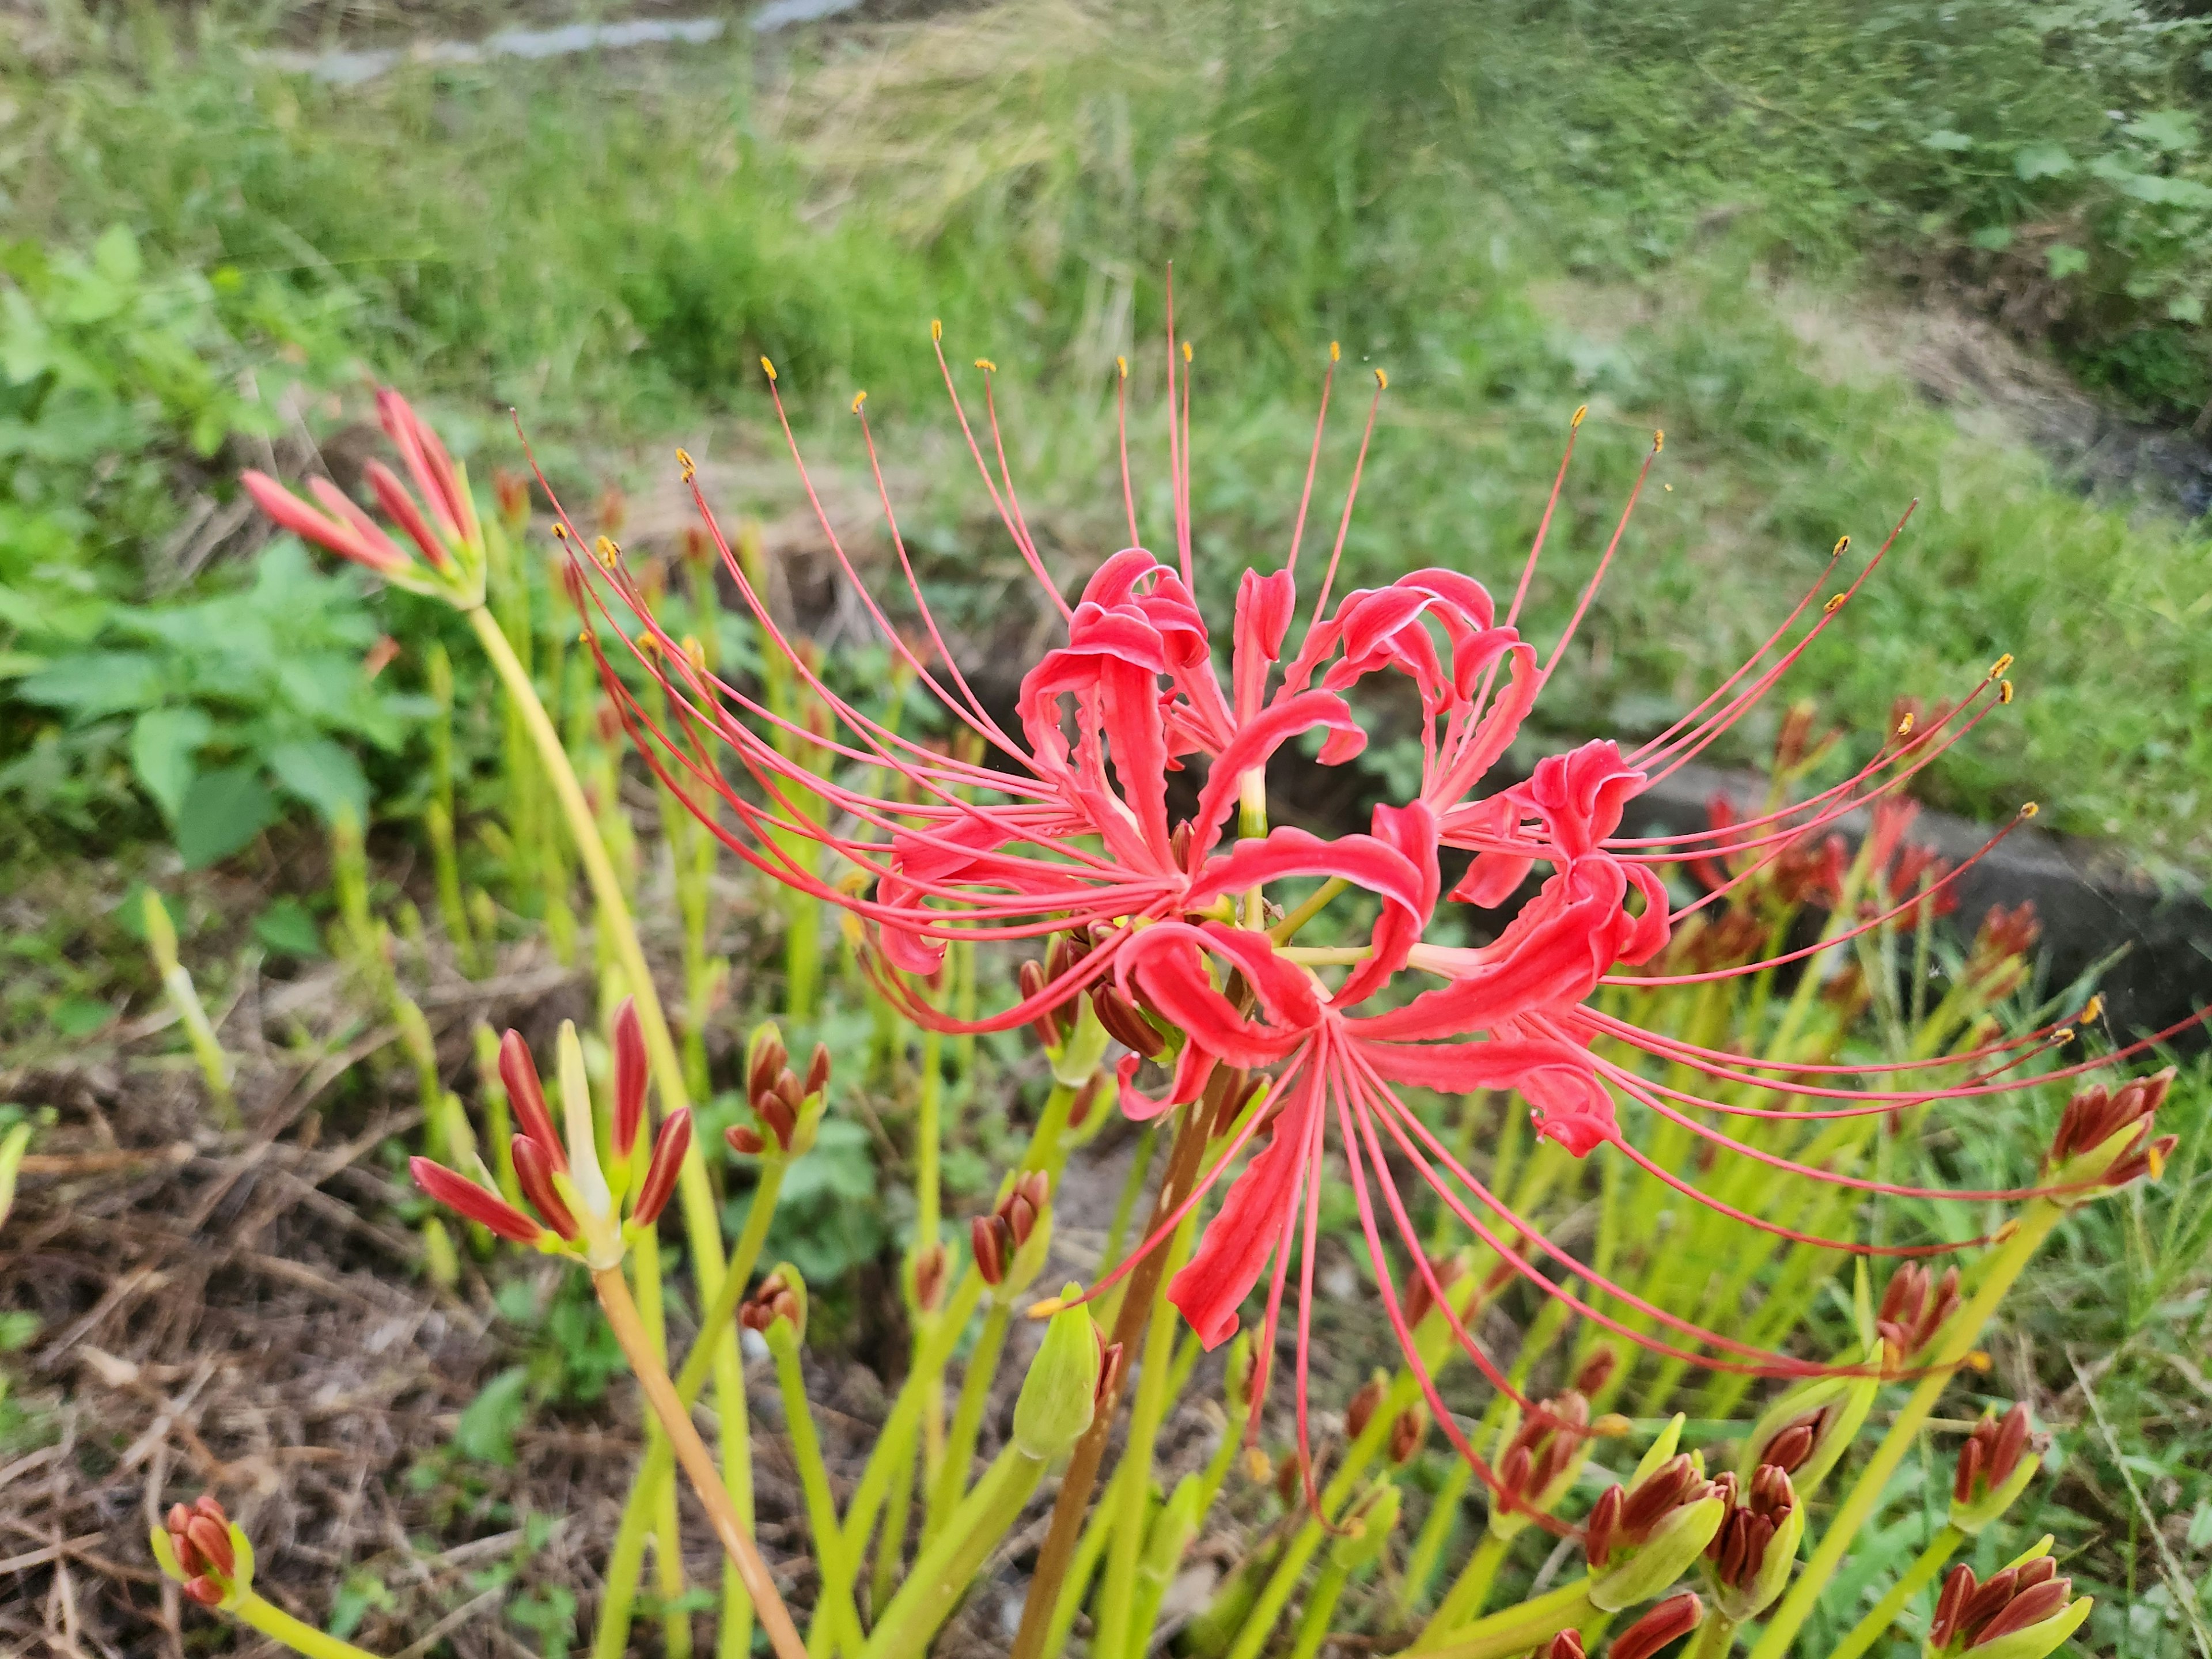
(1538, 1459)
(669, 1148)
(1671, 1620)
(928, 1277)
(1807, 1431)
(586, 1178)
(1059, 1393)
(1567, 1644)
(765, 1058)
(1361, 1412)
(1420, 1301)
(2023, 1611)
(533, 1174)
(526, 1094)
(478, 1203)
(2104, 1139)
(1750, 1556)
(744, 1142)
(1030, 980)
(1994, 1469)
(1125, 1025)
(1408, 1430)
(1666, 1519)
(629, 1077)
(986, 1243)
(818, 1071)
(780, 1295)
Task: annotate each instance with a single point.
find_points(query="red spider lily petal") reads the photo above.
(426, 461)
(391, 496)
(1255, 741)
(1238, 1241)
(1264, 605)
(629, 1077)
(478, 1204)
(526, 1094)
(669, 1147)
(337, 533)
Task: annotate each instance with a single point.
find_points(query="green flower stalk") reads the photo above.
(215, 1065)
(13, 1145)
(1357, 1548)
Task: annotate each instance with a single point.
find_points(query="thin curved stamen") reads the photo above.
(1021, 541)
(1313, 462)
(1605, 562)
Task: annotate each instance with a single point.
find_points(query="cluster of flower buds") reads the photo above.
(997, 1238)
(777, 1094)
(2105, 1141)
(1807, 1431)
(2003, 943)
(1796, 750)
(1121, 1019)
(442, 523)
(1670, 1621)
(1749, 1558)
(2023, 1611)
(1704, 941)
(197, 1545)
(1914, 1307)
(1642, 1537)
(1538, 1460)
(1994, 1468)
(779, 1299)
(561, 1178)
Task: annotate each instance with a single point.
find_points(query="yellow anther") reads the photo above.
(2004, 691)
(2094, 1009)
(1842, 546)
(2003, 1235)
(936, 329)
(1611, 1426)
(2062, 1036)
(694, 654)
(2155, 1155)
(1256, 1464)
(560, 531)
(1835, 605)
(768, 369)
(1121, 363)
(985, 365)
(609, 551)
(1905, 726)
(1044, 1309)
(1658, 441)
(2029, 809)
(1382, 381)
(1335, 352)
(1669, 487)
(1998, 667)
(1186, 351)
(685, 465)
(1979, 1360)
(1581, 412)
(859, 398)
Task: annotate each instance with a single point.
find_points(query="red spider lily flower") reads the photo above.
(1059, 825)
(439, 516)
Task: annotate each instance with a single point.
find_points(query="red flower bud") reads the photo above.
(743, 1139)
(1408, 1430)
(1603, 1527)
(476, 1203)
(1672, 1619)
(669, 1147)
(988, 1245)
(1567, 1644)
(818, 1071)
(204, 1591)
(533, 1173)
(526, 1094)
(1361, 1412)
(769, 1057)
(212, 1541)
(929, 1276)
(1596, 1372)
(629, 1077)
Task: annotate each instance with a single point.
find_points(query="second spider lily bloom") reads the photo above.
(1750, 1556)
(199, 1547)
(1994, 1468)
(2022, 1611)
(437, 516)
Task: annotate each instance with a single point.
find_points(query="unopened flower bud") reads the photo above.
(629, 1077)
(670, 1147)
(1086, 1097)
(1750, 1555)
(1994, 1469)
(198, 1547)
(1671, 1620)
(474, 1202)
(1420, 1301)
(1408, 1430)
(526, 1094)
(1059, 1393)
(780, 1295)
(1567, 1644)
(1363, 1405)
(818, 1071)
(1596, 1371)
(1125, 1025)
(1807, 1431)
(987, 1242)
(2104, 1139)
(1912, 1310)
(765, 1058)
(1538, 1460)
(743, 1140)
(1642, 1542)
(533, 1174)
(928, 1277)
(2023, 1611)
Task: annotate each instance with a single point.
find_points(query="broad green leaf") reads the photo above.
(2174, 131)
(322, 774)
(2065, 261)
(164, 746)
(287, 928)
(93, 683)
(2042, 160)
(223, 810)
(486, 1431)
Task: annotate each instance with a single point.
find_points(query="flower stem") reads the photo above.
(1321, 1609)
(1144, 1283)
(947, 1566)
(1715, 1636)
(952, 1483)
(1857, 1507)
(1514, 1630)
(1931, 1561)
(1463, 1602)
(698, 1463)
(836, 1624)
(263, 1615)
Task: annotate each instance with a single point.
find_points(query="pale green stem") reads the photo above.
(1435, 1532)
(890, 1548)
(1715, 1636)
(258, 1613)
(1118, 1594)
(1929, 1562)
(1513, 1630)
(836, 1624)
(904, 1423)
(943, 1572)
(1286, 930)
(1321, 1609)
(1464, 1601)
(928, 1135)
(952, 1482)
(1857, 1509)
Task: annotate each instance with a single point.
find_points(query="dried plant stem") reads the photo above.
(698, 1463)
(1858, 1506)
(1074, 1499)
(1931, 1561)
